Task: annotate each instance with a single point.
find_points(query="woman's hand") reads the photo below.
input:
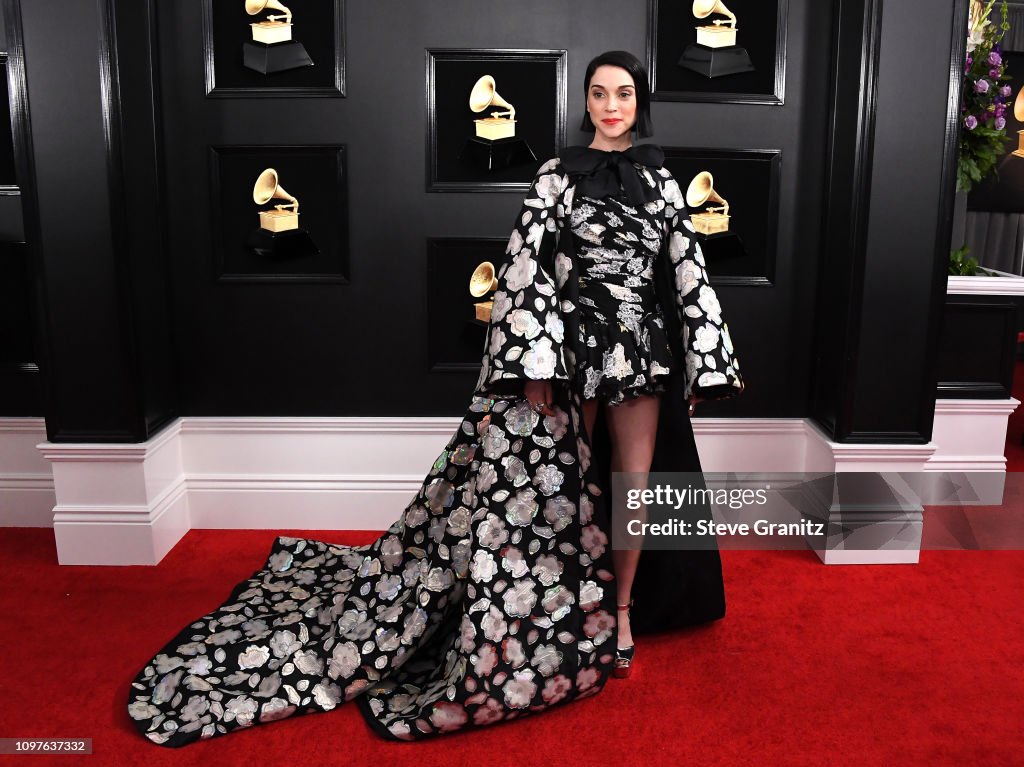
(694, 401)
(540, 393)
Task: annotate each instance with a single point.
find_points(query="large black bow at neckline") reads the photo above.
(598, 173)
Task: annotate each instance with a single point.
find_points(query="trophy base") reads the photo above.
(721, 246)
(495, 128)
(710, 223)
(715, 62)
(493, 155)
(483, 310)
(281, 246)
(278, 57)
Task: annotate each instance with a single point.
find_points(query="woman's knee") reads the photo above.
(633, 429)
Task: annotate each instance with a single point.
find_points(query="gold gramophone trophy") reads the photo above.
(499, 124)
(711, 225)
(279, 235)
(495, 144)
(1018, 113)
(272, 48)
(712, 220)
(715, 53)
(481, 283)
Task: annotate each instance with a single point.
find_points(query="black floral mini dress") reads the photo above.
(622, 336)
(604, 286)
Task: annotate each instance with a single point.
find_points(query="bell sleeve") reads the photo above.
(712, 368)
(525, 334)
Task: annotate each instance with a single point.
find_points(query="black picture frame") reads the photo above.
(762, 31)
(749, 180)
(20, 350)
(455, 337)
(12, 223)
(532, 80)
(317, 175)
(226, 28)
(8, 173)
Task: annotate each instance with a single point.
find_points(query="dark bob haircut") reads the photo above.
(626, 60)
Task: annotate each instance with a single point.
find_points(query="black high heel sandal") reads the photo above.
(624, 655)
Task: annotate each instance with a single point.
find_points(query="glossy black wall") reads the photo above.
(361, 348)
(894, 117)
(22, 346)
(100, 252)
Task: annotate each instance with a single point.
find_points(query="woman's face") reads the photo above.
(611, 101)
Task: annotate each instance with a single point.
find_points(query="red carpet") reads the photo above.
(843, 665)
(811, 665)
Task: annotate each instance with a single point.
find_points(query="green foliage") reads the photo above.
(962, 265)
(980, 150)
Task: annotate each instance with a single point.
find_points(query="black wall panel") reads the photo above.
(136, 328)
(363, 348)
(903, 255)
(21, 320)
(89, 377)
(99, 256)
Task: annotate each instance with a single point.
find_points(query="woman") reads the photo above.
(607, 274)
(491, 596)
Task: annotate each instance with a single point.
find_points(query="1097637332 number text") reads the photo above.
(45, 745)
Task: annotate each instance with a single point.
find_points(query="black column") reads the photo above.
(21, 346)
(102, 260)
(890, 190)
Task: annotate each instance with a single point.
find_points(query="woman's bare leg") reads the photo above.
(590, 418)
(633, 427)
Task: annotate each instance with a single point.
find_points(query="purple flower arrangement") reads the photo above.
(984, 97)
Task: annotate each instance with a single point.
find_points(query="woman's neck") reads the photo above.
(604, 145)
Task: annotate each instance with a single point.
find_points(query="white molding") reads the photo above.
(130, 503)
(861, 532)
(309, 473)
(986, 407)
(26, 479)
(118, 504)
(23, 424)
(868, 557)
(846, 456)
(321, 425)
(1008, 284)
(970, 434)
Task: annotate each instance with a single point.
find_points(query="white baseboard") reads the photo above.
(869, 557)
(26, 479)
(970, 434)
(131, 503)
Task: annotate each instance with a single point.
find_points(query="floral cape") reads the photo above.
(492, 595)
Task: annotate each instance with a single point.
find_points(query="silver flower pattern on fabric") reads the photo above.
(712, 369)
(526, 332)
(622, 349)
(468, 610)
